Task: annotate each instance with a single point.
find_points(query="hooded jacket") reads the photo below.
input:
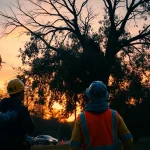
(93, 129)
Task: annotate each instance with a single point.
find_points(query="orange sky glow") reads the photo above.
(9, 50)
(9, 47)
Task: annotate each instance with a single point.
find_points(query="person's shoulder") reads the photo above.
(113, 110)
(4, 100)
(23, 107)
(4, 103)
(19, 106)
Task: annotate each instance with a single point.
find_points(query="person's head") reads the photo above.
(97, 91)
(15, 88)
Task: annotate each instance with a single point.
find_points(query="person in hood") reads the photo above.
(98, 127)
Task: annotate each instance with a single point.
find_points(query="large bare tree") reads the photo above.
(46, 19)
(64, 29)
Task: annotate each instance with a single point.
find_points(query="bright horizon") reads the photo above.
(9, 50)
(9, 47)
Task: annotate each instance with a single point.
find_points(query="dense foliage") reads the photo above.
(65, 54)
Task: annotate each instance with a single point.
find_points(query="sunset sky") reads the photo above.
(9, 49)
(10, 45)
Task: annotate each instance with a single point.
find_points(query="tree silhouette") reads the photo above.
(56, 22)
(65, 52)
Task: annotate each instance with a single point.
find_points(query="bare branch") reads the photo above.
(139, 43)
(136, 49)
(111, 11)
(124, 43)
(138, 37)
(34, 26)
(83, 4)
(66, 5)
(145, 29)
(25, 27)
(131, 8)
(73, 2)
(54, 28)
(65, 37)
(51, 39)
(116, 2)
(130, 59)
(127, 4)
(41, 8)
(105, 3)
(135, 14)
(68, 22)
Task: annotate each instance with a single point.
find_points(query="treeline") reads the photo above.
(138, 120)
(65, 54)
(52, 127)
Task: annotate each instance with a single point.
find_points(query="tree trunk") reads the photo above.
(109, 62)
(91, 48)
(75, 99)
(111, 51)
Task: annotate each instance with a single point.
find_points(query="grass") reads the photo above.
(51, 147)
(142, 145)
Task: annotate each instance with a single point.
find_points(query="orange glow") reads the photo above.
(47, 115)
(10, 45)
(131, 101)
(9, 50)
(57, 106)
(71, 118)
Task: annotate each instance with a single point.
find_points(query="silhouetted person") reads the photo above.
(12, 135)
(98, 127)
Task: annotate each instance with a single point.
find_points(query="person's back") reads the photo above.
(12, 135)
(98, 127)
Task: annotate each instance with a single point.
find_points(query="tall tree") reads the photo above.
(66, 53)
